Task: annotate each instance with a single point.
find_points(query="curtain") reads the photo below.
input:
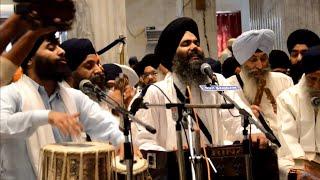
(228, 26)
(102, 22)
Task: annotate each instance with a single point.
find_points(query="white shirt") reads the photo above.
(17, 126)
(276, 82)
(299, 126)
(221, 125)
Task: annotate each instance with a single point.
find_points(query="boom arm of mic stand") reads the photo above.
(196, 106)
(123, 111)
(243, 112)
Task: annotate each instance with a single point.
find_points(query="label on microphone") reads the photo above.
(218, 88)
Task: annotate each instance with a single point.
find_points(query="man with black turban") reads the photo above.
(279, 61)
(180, 52)
(298, 114)
(83, 62)
(298, 43)
(147, 70)
(38, 110)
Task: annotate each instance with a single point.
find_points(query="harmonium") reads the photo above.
(229, 162)
(305, 169)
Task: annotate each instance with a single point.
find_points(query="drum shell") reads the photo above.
(83, 163)
(140, 169)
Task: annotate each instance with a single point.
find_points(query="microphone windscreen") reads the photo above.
(203, 68)
(84, 82)
(315, 101)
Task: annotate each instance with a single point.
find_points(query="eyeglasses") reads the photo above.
(149, 74)
(262, 58)
(295, 53)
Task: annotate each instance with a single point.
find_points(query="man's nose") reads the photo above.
(97, 69)
(60, 51)
(259, 64)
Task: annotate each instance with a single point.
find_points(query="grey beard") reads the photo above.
(188, 71)
(250, 73)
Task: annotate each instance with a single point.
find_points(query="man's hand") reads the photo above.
(68, 124)
(136, 152)
(260, 140)
(256, 110)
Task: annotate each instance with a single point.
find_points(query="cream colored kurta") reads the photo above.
(276, 82)
(299, 126)
(220, 123)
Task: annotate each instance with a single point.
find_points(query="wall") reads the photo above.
(158, 13)
(142, 13)
(236, 5)
(207, 24)
(285, 16)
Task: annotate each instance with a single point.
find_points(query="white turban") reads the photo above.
(248, 42)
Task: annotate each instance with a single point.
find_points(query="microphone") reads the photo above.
(138, 102)
(206, 70)
(315, 101)
(87, 87)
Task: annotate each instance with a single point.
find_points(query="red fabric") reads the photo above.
(228, 26)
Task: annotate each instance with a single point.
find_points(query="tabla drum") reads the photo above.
(140, 169)
(83, 161)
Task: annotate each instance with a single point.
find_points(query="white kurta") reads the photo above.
(276, 82)
(7, 70)
(221, 125)
(299, 126)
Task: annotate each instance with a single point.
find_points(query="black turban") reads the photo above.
(311, 60)
(148, 60)
(76, 51)
(215, 64)
(279, 59)
(111, 71)
(48, 37)
(229, 67)
(170, 38)
(302, 36)
(133, 60)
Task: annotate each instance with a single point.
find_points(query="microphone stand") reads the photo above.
(177, 114)
(247, 119)
(128, 150)
(128, 154)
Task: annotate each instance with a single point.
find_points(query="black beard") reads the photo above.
(188, 70)
(99, 80)
(47, 70)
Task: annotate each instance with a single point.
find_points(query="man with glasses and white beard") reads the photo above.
(298, 116)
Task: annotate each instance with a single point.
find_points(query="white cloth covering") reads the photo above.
(299, 127)
(43, 135)
(248, 42)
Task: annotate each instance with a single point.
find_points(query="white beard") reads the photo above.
(249, 86)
